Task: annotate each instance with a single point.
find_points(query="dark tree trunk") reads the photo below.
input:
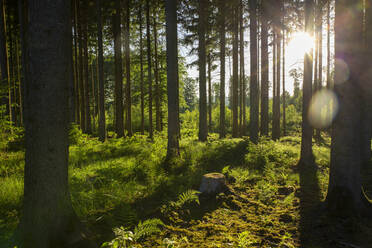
(329, 54)
(101, 102)
(86, 71)
(3, 56)
(307, 157)
(222, 29)
(254, 98)
(243, 121)
(157, 81)
(344, 190)
(264, 72)
(276, 109)
(48, 219)
(274, 79)
(203, 127)
(81, 70)
(235, 82)
(119, 122)
(283, 82)
(11, 85)
(22, 17)
(172, 78)
(141, 79)
(77, 72)
(149, 66)
(320, 61)
(71, 96)
(128, 97)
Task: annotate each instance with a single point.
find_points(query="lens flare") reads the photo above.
(323, 109)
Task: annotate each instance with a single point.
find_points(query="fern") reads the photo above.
(147, 228)
(188, 197)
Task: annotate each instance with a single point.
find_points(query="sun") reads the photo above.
(299, 44)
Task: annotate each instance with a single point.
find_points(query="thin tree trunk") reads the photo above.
(101, 102)
(329, 54)
(284, 94)
(264, 73)
(242, 73)
(4, 56)
(222, 66)
(77, 72)
(274, 79)
(81, 70)
(203, 127)
(156, 72)
(209, 91)
(254, 99)
(119, 122)
(86, 72)
(149, 66)
(307, 157)
(128, 97)
(172, 78)
(141, 79)
(320, 62)
(276, 110)
(235, 82)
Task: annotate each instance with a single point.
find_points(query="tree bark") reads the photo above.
(210, 103)
(81, 69)
(76, 64)
(172, 78)
(119, 122)
(235, 77)
(141, 78)
(254, 98)
(101, 102)
(48, 218)
(320, 61)
(243, 121)
(276, 109)
(222, 29)
(344, 190)
(156, 73)
(264, 72)
(307, 157)
(4, 56)
(149, 67)
(283, 82)
(128, 97)
(203, 127)
(87, 83)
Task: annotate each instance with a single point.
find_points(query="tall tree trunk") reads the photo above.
(210, 103)
(320, 61)
(172, 78)
(276, 109)
(76, 64)
(128, 96)
(81, 70)
(94, 86)
(307, 157)
(48, 218)
(203, 127)
(264, 72)
(119, 122)
(11, 82)
(156, 73)
(328, 54)
(149, 76)
(274, 79)
(4, 56)
(222, 29)
(242, 73)
(344, 190)
(254, 99)
(86, 71)
(22, 17)
(283, 82)
(235, 82)
(101, 102)
(141, 79)
(20, 85)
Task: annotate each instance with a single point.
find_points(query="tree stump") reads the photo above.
(212, 184)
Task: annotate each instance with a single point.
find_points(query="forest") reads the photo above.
(185, 123)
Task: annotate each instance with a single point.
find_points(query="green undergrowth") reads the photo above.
(128, 194)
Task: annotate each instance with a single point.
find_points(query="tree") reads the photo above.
(156, 73)
(222, 29)
(276, 97)
(235, 77)
(172, 78)
(243, 121)
(81, 67)
(189, 89)
(141, 73)
(119, 123)
(344, 191)
(128, 96)
(203, 128)
(101, 102)
(87, 84)
(307, 157)
(254, 99)
(48, 218)
(3, 56)
(264, 71)
(149, 76)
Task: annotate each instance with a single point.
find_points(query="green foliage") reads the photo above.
(128, 239)
(187, 197)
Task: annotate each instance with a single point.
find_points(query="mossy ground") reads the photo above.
(270, 202)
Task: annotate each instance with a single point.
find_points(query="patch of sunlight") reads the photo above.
(323, 108)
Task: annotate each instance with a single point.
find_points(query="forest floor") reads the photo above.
(271, 202)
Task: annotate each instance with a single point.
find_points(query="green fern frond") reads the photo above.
(147, 228)
(188, 197)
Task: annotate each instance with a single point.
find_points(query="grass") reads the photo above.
(125, 181)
